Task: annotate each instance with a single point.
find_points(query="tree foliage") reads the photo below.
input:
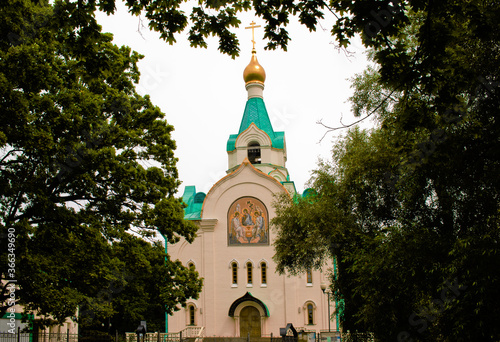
(141, 286)
(84, 162)
(410, 209)
(220, 17)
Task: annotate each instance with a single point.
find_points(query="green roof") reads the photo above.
(256, 112)
(194, 203)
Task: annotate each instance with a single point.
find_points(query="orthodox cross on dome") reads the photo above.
(253, 27)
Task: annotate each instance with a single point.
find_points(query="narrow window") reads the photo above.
(263, 273)
(191, 315)
(234, 270)
(310, 314)
(249, 273)
(254, 153)
(190, 265)
(309, 276)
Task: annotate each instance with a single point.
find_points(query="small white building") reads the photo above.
(242, 293)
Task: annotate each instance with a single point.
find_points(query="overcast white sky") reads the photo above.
(203, 94)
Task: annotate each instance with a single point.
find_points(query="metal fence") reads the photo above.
(346, 337)
(57, 337)
(17, 337)
(189, 334)
(241, 339)
(186, 336)
(308, 336)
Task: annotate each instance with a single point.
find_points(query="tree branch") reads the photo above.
(335, 14)
(11, 151)
(332, 129)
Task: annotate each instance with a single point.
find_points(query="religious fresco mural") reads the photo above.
(248, 223)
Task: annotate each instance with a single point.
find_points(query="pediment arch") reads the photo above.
(234, 261)
(262, 261)
(254, 183)
(253, 135)
(191, 263)
(248, 299)
(277, 174)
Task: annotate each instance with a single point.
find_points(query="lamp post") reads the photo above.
(327, 291)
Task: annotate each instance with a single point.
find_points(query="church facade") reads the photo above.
(242, 293)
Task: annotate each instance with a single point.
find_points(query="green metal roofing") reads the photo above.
(194, 203)
(256, 112)
(188, 195)
(247, 297)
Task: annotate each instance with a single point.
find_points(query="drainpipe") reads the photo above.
(166, 314)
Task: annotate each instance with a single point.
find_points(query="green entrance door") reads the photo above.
(250, 322)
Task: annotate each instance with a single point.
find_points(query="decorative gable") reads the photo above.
(253, 134)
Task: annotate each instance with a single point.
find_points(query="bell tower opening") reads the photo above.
(254, 153)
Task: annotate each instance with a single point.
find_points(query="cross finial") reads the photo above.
(253, 27)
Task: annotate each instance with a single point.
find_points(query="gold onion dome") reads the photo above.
(254, 72)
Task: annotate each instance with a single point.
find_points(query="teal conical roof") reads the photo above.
(256, 112)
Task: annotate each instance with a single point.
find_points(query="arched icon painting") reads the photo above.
(248, 223)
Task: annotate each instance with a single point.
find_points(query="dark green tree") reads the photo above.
(85, 161)
(220, 17)
(140, 288)
(410, 209)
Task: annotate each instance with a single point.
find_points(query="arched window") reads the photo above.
(263, 273)
(254, 152)
(249, 273)
(310, 314)
(192, 315)
(190, 265)
(234, 273)
(309, 277)
(309, 309)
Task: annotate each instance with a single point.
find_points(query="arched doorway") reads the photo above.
(250, 322)
(249, 315)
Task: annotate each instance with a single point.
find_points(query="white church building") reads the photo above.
(242, 293)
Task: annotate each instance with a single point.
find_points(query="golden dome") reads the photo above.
(254, 72)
